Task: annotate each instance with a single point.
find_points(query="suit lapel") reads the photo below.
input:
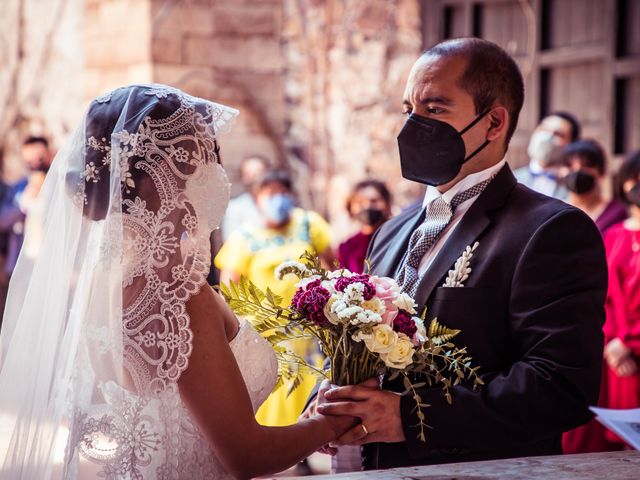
(398, 245)
(473, 223)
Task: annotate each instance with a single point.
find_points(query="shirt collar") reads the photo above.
(467, 182)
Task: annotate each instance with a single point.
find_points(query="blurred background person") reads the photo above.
(256, 251)
(583, 173)
(622, 327)
(20, 211)
(18, 208)
(242, 209)
(552, 133)
(368, 204)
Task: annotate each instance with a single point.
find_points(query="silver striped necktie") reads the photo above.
(439, 214)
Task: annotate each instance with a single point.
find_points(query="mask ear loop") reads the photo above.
(467, 128)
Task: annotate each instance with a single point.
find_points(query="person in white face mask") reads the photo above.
(554, 132)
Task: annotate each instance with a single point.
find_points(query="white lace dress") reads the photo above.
(133, 438)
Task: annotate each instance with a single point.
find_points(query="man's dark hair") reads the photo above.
(573, 121)
(629, 170)
(491, 76)
(589, 152)
(275, 176)
(32, 140)
(379, 186)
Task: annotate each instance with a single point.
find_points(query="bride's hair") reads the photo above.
(111, 122)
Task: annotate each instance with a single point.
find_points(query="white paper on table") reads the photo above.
(624, 423)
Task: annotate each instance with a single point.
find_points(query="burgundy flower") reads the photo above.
(403, 323)
(310, 302)
(369, 289)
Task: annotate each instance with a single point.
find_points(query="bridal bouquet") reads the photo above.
(364, 324)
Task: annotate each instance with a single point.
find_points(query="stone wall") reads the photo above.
(41, 74)
(229, 52)
(318, 83)
(117, 45)
(347, 66)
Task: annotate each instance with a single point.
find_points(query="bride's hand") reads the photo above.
(339, 425)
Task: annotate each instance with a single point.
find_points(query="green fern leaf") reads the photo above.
(439, 333)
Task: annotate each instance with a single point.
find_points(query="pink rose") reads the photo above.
(387, 290)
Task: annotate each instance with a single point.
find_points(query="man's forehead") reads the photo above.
(434, 75)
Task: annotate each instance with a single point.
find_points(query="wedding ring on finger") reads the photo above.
(364, 429)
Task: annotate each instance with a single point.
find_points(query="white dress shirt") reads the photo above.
(433, 193)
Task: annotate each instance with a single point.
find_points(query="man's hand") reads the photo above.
(379, 411)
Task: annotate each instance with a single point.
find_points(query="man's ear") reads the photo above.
(498, 123)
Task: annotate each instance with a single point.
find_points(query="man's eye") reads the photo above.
(435, 110)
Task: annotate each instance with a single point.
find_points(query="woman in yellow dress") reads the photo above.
(255, 252)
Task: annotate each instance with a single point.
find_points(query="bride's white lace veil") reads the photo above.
(129, 204)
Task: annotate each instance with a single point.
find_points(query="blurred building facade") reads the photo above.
(319, 82)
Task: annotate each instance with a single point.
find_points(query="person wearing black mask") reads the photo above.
(584, 167)
(531, 308)
(369, 204)
(582, 173)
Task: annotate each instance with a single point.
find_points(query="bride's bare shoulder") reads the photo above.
(209, 313)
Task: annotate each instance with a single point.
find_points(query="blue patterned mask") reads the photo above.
(278, 208)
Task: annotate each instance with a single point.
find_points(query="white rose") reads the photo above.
(401, 354)
(381, 340)
(405, 302)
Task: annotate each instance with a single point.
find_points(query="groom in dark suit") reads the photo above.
(531, 311)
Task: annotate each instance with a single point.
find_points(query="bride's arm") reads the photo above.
(217, 398)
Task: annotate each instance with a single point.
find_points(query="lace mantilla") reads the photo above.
(153, 189)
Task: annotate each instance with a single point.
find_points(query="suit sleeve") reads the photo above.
(556, 314)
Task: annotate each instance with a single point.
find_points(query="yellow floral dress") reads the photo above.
(256, 253)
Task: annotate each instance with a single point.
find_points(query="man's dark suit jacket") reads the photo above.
(531, 314)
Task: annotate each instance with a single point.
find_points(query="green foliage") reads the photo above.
(439, 334)
(436, 363)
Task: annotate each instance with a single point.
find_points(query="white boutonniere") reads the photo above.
(461, 269)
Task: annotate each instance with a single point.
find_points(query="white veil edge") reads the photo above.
(44, 317)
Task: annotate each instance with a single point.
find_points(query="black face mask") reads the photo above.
(580, 182)
(370, 216)
(633, 195)
(432, 151)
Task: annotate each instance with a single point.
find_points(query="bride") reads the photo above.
(117, 361)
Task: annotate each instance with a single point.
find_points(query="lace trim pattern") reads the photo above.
(169, 192)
